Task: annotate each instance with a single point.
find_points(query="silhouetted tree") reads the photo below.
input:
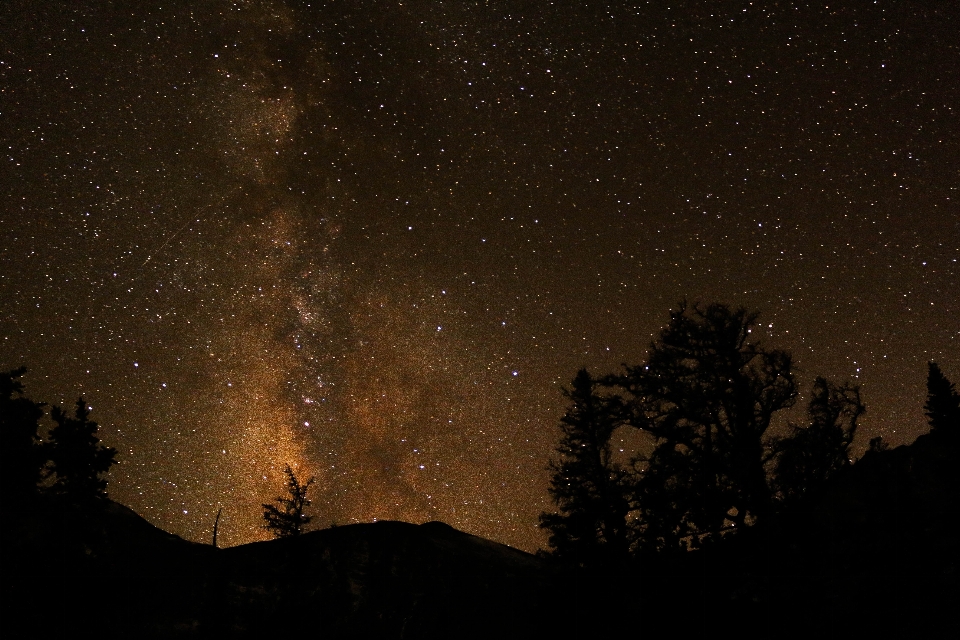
(943, 403)
(589, 488)
(77, 458)
(813, 454)
(287, 518)
(707, 395)
(22, 456)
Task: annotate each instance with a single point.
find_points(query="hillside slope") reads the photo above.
(875, 552)
(98, 567)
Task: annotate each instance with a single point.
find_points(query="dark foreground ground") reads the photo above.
(874, 555)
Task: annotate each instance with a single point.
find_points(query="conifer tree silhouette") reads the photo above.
(77, 458)
(590, 489)
(22, 456)
(943, 403)
(286, 518)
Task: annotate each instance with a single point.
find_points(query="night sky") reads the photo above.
(375, 239)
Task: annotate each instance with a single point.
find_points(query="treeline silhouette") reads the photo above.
(721, 517)
(706, 397)
(70, 461)
(727, 521)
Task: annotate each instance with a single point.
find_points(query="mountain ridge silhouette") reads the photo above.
(875, 551)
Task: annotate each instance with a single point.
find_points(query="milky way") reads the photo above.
(373, 240)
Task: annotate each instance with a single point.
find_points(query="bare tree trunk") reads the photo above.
(216, 526)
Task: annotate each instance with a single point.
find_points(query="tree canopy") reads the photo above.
(706, 397)
(71, 455)
(813, 454)
(706, 394)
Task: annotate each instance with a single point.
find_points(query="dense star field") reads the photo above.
(375, 239)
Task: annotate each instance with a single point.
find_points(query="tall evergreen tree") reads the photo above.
(77, 458)
(813, 454)
(22, 457)
(943, 403)
(286, 518)
(591, 490)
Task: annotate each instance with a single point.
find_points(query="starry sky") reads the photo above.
(374, 239)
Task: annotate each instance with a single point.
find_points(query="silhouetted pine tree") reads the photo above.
(22, 456)
(287, 518)
(943, 403)
(78, 460)
(590, 489)
(813, 454)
